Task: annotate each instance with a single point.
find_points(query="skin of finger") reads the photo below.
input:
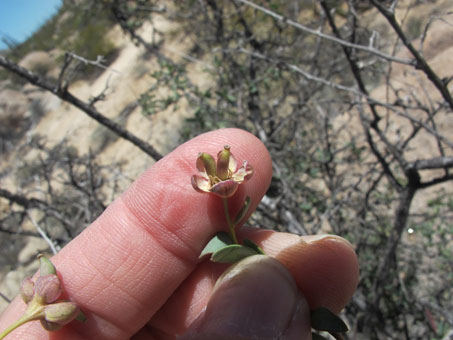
(325, 270)
(123, 268)
(191, 298)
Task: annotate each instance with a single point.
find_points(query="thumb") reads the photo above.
(256, 298)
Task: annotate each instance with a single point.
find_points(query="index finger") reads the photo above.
(124, 267)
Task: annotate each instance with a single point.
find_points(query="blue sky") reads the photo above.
(20, 18)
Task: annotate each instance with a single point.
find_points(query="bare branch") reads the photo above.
(43, 234)
(433, 163)
(4, 297)
(64, 94)
(22, 200)
(436, 181)
(97, 62)
(352, 90)
(326, 36)
(421, 62)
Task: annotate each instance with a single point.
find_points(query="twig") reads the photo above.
(351, 90)
(304, 73)
(97, 62)
(43, 234)
(326, 36)
(64, 94)
(421, 62)
(432, 163)
(100, 96)
(4, 297)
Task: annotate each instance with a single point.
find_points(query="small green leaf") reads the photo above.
(316, 336)
(322, 319)
(254, 246)
(231, 98)
(46, 267)
(81, 317)
(220, 240)
(243, 210)
(232, 253)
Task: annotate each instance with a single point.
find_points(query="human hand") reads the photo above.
(135, 271)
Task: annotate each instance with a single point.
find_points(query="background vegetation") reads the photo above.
(355, 119)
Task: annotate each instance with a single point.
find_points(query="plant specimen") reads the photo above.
(222, 178)
(41, 297)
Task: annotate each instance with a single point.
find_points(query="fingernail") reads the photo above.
(317, 238)
(256, 298)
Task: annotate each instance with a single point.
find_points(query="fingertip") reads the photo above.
(325, 267)
(333, 267)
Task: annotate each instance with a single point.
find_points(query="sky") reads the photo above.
(20, 18)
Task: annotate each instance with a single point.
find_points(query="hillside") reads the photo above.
(38, 114)
(345, 144)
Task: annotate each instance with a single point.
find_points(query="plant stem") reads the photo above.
(228, 218)
(34, 311)
(24, 319)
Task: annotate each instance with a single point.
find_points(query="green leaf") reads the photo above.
(322, 319)
(243, 210)
(46, 267)
(254, 246)
(81, 317)
(220, 240)
(316, 336)
(232, 253)
(231, 98)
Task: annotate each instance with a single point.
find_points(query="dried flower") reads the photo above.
(61, 313)
(48, 288)
(221, 178)
(42, 302)
(27, 289)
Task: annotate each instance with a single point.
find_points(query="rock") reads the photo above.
(39, 62)
(33, 247)
(13, 114)
(10, 284)
(40, 101)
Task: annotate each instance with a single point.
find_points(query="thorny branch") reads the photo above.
(407, 192)
(43, 234)
(72, 194)
(341, 42)
(421, 64)
(63, 93)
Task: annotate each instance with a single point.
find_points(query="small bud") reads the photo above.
(61, 313)
(46, 267)
(223, 163)
(48, 288)
(205, 162)
(81, 316)
(27, 289)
